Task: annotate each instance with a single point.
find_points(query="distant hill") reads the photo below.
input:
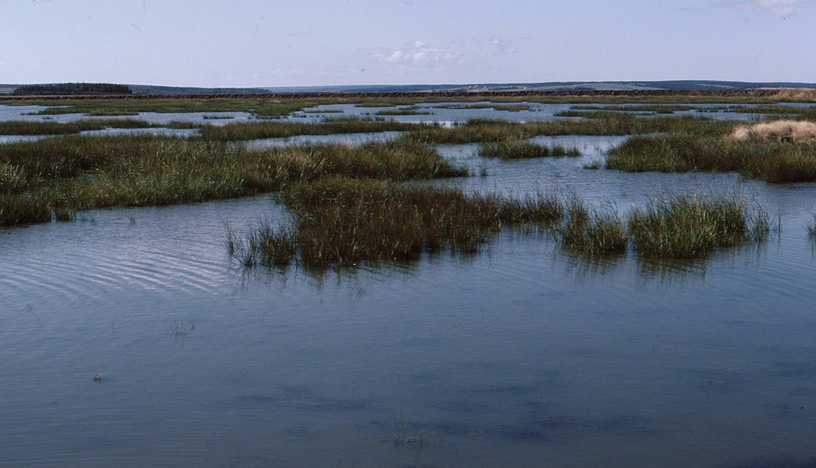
(549, 86)
(71, 89)
(148, 89)
(675, 85)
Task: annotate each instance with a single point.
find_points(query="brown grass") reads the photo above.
(779, 130)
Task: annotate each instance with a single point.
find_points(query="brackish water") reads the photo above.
(523, 355)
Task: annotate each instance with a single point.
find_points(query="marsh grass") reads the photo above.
(19, 127)
(609, 123)
(64, 174)
(257, 130)
(592, 232)
(340, 222)
(519, 149)
(771, 160)
(695, 225)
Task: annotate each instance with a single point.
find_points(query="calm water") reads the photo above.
(523, 355)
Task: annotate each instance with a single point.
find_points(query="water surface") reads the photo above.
(522, 355)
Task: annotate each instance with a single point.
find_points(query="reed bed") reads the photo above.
(256, 130)
(21, 127)
(609, 123)
(694, 225)
(77, 173)
(340, 222)
(519, 149)
(774, 161)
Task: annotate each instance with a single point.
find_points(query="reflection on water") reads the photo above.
(350, 139)
(525, 353)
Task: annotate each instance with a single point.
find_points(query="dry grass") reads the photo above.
(778, 130)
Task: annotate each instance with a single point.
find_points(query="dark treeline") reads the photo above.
(72, 89)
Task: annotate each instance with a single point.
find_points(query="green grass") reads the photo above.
(73, 173)
(516, 149)
(695, 225)
(257, 130)
(19, 127)
(771, 161)
(340, 222)
(592, 232)
(609, 123)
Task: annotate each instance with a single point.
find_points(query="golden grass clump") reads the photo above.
(779, 130)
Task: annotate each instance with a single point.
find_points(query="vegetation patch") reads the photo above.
(772, 160)
(593, 232)
(257, 130)
(777, 130)
(517, 149)
(694, 225)
(70, 173)
(340, 222)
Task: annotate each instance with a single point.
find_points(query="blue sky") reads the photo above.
(349, 42)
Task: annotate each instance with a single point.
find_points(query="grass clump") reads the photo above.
(518, 149)
(694, 225)
(592, 232)
(341, 222)
(777, 130)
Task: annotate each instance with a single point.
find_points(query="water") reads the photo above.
(523, 355)
(349, 139)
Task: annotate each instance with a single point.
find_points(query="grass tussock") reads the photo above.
(77, 173)
(694, 225)
(593, 232)
(777, 130)
(340, 222)
(518, 149)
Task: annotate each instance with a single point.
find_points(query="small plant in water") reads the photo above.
(97, 377)
(178, 330)
(409, 437)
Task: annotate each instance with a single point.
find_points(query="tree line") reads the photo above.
(71, 89)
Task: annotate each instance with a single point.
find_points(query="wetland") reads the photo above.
(408, 282)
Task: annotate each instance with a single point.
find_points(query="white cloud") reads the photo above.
(419, 56)
(775, 7)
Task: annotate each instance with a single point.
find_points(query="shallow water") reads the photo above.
(349, 139)
(523, 355)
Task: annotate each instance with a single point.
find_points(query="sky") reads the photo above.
(249, 43)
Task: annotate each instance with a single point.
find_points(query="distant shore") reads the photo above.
(765, 92)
